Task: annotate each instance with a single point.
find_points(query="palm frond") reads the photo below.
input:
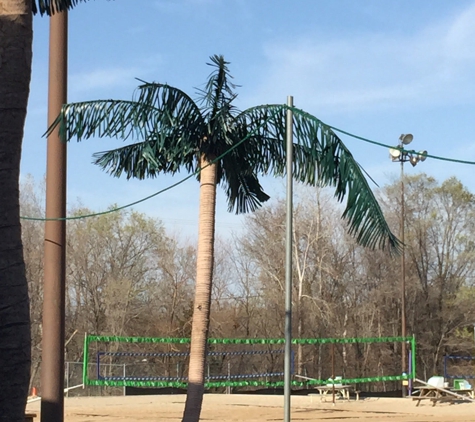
(146, 159)
(243, 190)
(320, 158)
(163, 118)
(219, 90)
(239, 167)
(266, 145)
(160, 111)
(217, 97)
(50, 7)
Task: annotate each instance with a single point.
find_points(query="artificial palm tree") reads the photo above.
(16, 35)
(50, 7)
(228, 147)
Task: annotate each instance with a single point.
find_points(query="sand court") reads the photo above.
(258, 408)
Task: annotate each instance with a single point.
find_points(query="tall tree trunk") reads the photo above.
(15, 345)
(202, 304)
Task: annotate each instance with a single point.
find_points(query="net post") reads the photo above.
(413, 349)
(85, 360)
(124, 391)
(98, 363)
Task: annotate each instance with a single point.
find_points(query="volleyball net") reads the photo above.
(456, 366)
(163, 362)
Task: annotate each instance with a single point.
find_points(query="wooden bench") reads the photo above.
(30, 417)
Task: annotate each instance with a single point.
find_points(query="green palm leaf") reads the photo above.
(50, 7)
(320, 158)
(165, 120)
(146, 159)
(160, 111)
(218, 95)
(236, 172)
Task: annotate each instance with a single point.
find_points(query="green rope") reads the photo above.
(276, 109)
(77, 217)
(435, 157)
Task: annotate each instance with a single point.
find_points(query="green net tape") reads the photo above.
(254, 383)
(173, 340)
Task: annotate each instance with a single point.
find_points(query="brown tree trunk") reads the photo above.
(15, 345)
(202, 304)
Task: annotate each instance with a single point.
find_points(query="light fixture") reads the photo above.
(422, 155)
(406, 139)
(394, 153)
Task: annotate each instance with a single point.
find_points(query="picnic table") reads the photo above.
(433, 394)
(341, 391)
(440, 395)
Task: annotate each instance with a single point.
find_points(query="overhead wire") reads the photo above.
(294, 109)
(435, 157)
(115, 209)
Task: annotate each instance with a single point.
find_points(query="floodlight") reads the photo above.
(406, 139)
(414, 159)
(422, 155)
(394, 153)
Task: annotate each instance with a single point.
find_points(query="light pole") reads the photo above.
(398, 154)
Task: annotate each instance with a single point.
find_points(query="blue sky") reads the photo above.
(373, 68)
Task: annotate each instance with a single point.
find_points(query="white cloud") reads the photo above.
(106, 78)
(460, 36)
(183, 6)
(102, 78)
(375, 70)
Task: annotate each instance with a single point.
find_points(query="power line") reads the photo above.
(294, 109)
(77, 217)
(435, 157)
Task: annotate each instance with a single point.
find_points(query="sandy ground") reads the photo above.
(258, 409)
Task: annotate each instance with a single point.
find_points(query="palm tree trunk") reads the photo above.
(202, 304)
(15, 346)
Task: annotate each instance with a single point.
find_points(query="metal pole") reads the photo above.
(288, 263)
(403, 282)
(67, 379)
(333, 373)
(85, 362)
(413, 359)
(52, 367)
(123, 374)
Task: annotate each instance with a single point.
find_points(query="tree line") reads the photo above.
(128, 276)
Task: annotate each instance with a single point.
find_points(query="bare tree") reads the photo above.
(32, 205)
